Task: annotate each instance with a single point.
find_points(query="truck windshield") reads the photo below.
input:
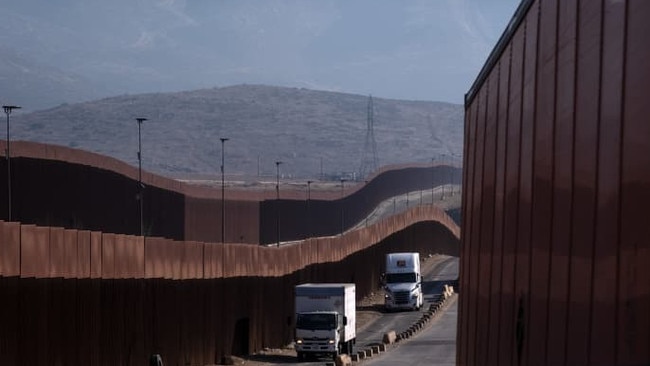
(400, 277)
(316, 321)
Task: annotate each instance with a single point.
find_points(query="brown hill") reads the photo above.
(311, 132)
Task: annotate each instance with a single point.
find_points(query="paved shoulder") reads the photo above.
(436, 345)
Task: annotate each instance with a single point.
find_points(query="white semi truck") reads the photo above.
(325, 319)
(403, 281)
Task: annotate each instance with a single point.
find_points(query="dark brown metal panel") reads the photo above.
(498, 265)
(34, 251)
(213, 255)
(544, 124)
(486, 233)
(175, 253)
(511, 208)
(57, 253)
(153, 258)
(139, 260)
(474, 243)
(193, 262)
(83, 254)
(10, 340)
(9, 249)
(129, 249)
(95, 254)
(524, 234)
(634, 250)
(471, 121)
(605, 271)
(88, 303)
(71, 248)
(584, 183)
(33, 332)
(121, 257)
(563, 187)
(167, 256)
(108, 256)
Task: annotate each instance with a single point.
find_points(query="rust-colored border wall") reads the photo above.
(126, 297)
(300, 218)
(555, 254)
(58, 186)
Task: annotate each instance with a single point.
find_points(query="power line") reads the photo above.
(369, 160)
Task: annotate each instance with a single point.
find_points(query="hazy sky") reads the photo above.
(402, 49)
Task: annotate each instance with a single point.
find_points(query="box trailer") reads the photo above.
(325, 321)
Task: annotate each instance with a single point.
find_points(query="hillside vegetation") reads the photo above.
(311, 132)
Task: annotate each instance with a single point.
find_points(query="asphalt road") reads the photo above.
(441, 273)
(432, 287)
(440, 196)
(436, 344)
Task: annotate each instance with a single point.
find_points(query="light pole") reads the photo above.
(223, 191)
(277, 196)
(140, 185)
(342, 210)
(433, 178)
(8, 109)
(457, 171)
(223, 230)
(442, 196)
(309, 182)
(450, 175)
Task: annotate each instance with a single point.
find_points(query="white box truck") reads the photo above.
(403, 281)
(325, 321)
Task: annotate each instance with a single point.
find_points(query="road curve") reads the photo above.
(436, 344)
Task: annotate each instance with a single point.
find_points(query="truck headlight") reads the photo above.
(299, 341)
(387, 296)
(331, 341)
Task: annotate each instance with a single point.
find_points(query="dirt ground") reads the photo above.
(368, 310)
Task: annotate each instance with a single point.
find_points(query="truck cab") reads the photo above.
(403, 282)
(319, 333)
(325, 319)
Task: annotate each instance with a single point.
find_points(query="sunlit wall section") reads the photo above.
(555, 249)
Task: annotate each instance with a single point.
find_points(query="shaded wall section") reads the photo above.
(89, 298)
(75, 189)
(555, 251)
(302, 218)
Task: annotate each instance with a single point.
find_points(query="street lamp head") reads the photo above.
(141, 119)
(9, 108)
(224, 139)
(278, 163)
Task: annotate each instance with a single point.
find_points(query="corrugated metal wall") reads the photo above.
(70, 297)
(75, 189)
(344, 210)
(555, 248)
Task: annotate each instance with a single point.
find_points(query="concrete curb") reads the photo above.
(393, 338)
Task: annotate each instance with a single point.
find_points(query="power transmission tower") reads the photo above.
(369, 160)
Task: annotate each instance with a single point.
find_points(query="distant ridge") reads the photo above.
(310, 131)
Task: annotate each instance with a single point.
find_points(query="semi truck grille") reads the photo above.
(402, 297)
